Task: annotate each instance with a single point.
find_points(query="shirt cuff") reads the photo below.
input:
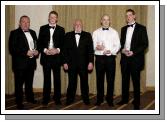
(44, 50)
(58, 49)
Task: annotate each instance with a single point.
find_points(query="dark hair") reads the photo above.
(131, 10)
(24, 16)
(53, 12)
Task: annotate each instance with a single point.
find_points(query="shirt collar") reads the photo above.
(52, 25)
(104, 27)
(77, 32)
(26, 31)
(132, 23)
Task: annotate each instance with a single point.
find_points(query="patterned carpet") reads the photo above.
(147, 103)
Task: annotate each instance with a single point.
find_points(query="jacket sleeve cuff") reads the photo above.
(58, 49)
(44, 50)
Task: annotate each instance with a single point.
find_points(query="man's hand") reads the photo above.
(107, 52)
(47, 52)
(65, 66)
(30, 53)
(100, 47)
(35, 52)
(127, 52)
(130, 53)
(54, 51)
(124, 51)
(90, 66)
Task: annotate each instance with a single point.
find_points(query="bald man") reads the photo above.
(78, 60)
(106, 45)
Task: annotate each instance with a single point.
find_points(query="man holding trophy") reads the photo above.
(22, 47)
(106, 45)
(50, 44)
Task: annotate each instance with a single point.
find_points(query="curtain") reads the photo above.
(9, 25)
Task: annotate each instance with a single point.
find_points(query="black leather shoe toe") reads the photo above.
(121, 103)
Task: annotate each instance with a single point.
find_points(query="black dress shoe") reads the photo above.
(69, 102)
(58, 103)
(121, 103)
(136, 107)
(110, 104)
(87, 102)
(98, 103)
(20, 106)
(45, 103)
(136, 103)
(32, 101)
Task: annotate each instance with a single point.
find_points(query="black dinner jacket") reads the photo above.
(78, 57)
(139, 43)
(43, 41)
(18, 47)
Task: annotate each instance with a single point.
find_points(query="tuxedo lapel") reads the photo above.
(74, 39)
(47, 31)
(124, 35)
(134, 35)
(80, 39)
(34, 38)
(55, 33)
(23, 36)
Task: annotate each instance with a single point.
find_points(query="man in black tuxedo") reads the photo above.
(134, 42)
(22, 44)
(50, 44)
(78, 59)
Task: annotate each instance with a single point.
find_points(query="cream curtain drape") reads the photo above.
(9, 25)
(91, 15)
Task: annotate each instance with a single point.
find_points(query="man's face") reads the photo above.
(78, 26)
(105, 21)
(25, 23)
(130, 17)
(53, 19)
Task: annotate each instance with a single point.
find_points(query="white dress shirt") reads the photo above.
(109, 38)
(77, 37)
(129, 34)
(30, 40)
(51, 44)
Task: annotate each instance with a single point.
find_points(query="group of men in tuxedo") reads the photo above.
(75, 50)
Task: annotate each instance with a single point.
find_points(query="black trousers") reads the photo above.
(72, 85)
(128, 70)
(47, 83)
(105, 64)
(24, 76)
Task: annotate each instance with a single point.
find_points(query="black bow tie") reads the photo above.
(27, 31)
(105, 28)
(78, 33)
(131, 25)
(53, 27)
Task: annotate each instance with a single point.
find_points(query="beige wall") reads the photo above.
(39, 15)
